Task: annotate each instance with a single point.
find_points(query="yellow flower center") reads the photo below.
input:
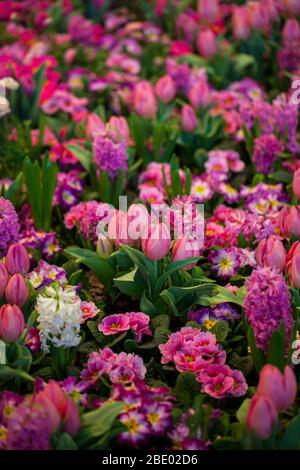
(153, 418)
(209, 324)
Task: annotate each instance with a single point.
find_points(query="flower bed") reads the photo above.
(149, 225)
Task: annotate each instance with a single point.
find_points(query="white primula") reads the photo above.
(10, 84)
(59, 316)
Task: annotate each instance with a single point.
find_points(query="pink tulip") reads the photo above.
(94, 125)
(278, 387)
(71, 419)
(290, 34)
(138, 218)
(158, 241)
(118, 229)
(206, 43)
(185, 248)
(271, 252)
(259, 16)
(144, 100)
(16, 291)
(165, 89)
(262, 416)
(208, 10)
(293, 264)
(296, 179)
(3, 278)
(188, 118)
(199, 94)
(289, 221)
(17, 259)
(241, 22)
(118, 128)
(52, 414)
(11, 323)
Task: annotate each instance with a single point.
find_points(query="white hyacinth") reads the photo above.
(59, 316)
(10, 84)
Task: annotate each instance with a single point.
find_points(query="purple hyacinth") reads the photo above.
(266, 304)
(109, 154)
(9, 225)
(266, 149)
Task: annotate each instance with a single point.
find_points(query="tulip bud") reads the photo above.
(262, 416)
(71, 418)
(117, 229)
(94, 125)
(157, 242)
(185, 248)
(208, 10)
(3, 278)
(289, 221)
(296, 183)
(206, 43)
(118, 127)
(278, 387)
(293, 264)
(11, 323)
(17, 259)
(199, 94)
(271, 252)
(144, 100)
(104, 247)
(16, 291)
(241, 22)
(291, 34)
(188, 118)
(165, 89)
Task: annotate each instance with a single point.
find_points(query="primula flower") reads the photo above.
(114, 324)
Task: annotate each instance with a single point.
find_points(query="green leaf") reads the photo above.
(276, 351)
(161, 335)
(105, 187)
(13, 192)
(162, 321)
(147, 306)
(32, 176)
(282, 176)
(49, 175)
(220, 329)
(129, 284)
(172, 268)
(83, 156)
(99, 421)
(291, 437)
(257, 354)
(81, 252)
(65, 442)
(10, 373)
(243, 61)
(242, 412)
(99, 337)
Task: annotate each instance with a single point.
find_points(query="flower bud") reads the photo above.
(296, 182)
(16, 291)
(293, 264)
(144, 100)
(3, 278)
(241, 22)
(11, 323)
(278, 387)
(271, 252)
(289, 221)
(158, 242)
(165, 89)
(17, 259)
(208, 10)
(188, 118)
(262, 416)
(206, 43)
(185, 248)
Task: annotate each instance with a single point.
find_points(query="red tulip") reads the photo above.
(271, 252)
(16, 291)
(144, 100)
(185, 248)
(17, 259)
(278, 387)
(206, 43)
(157, 242)
(262, 416)
(188, 118)
(296, 180)
(11, 323)
(165, 89)
(3, 278)
(289, 221)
